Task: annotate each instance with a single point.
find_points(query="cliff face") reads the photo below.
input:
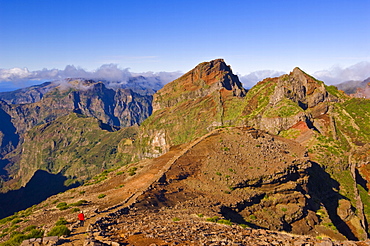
(302, 89)
(120, 107)
(113, 109)
(117, 108)
(279, 103)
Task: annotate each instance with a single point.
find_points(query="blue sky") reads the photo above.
(176, 35)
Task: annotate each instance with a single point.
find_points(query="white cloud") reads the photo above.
(20, 77)
(251, 79)
(14, 73)
(111, 73)
(337, 74)
(334, 75)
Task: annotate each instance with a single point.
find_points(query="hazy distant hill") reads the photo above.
(27, 95)
(139, 84)
(351, 87)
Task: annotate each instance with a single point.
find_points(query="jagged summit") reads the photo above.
(204, 79)
(301, 88)
(277, 104)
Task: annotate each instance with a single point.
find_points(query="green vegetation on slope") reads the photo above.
(258, 98)
(335, 92)
(284, 108)
(359, 111)
(75, 146)
(186, 120)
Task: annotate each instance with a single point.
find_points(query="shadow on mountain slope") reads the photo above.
(10, 138)
(322, 188)
(3, 172)
(41, 186)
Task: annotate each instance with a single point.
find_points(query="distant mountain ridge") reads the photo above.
(112, 109)
(355, 88)
(32, 94)
(27, 95)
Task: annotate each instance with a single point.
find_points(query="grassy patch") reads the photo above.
(244, 226)
(331, 89)
(225, 222)
(346, 185)
(62, 206)
(7, 219)
(16, 238)
(213, 219)
(259, 97)
(365, 198)
(79, 203)
(290, 133)
(61, 221)
(16, 221)
(100, 196)
(59, 230)
(132, 171)
(29, 228)
(284, 108)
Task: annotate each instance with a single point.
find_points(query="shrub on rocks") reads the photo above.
(29, 228)
(61, 221)
(212, 219)
(101, 196)
(62, 206)
(225, 222)
(59, 230)
(17, 238)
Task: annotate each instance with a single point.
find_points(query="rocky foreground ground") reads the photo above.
(163, 227)
(176, 227)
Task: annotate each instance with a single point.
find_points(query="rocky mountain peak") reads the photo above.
(301, 88)
(309, 83)
(201, 81)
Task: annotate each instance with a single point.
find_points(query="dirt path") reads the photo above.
(151, 172)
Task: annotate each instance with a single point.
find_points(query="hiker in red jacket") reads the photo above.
(81, 218)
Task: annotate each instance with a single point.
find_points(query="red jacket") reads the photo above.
(81, 216)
